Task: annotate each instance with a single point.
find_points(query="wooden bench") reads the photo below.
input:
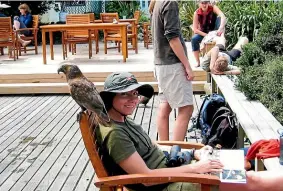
(254, 119)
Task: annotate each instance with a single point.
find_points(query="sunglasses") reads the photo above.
(204, 3)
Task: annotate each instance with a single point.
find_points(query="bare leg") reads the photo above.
(241, 42)
(182, 121)
(196, 54)
(17, 24)
(163, 121)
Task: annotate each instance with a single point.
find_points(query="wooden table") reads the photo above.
(93, 26)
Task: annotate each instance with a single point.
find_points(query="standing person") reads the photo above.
(172, 69)
(206, 18)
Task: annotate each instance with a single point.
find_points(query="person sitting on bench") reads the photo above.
(220, 61)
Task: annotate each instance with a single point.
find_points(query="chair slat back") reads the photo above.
(137, 16)
(77, 19)
(108, 17)
(91, 17)
(88, 135)
(35, 22)
(6, 30)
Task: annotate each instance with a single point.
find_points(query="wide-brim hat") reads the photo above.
(121, 82)
(3, 6)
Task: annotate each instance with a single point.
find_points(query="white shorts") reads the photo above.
(173, 85)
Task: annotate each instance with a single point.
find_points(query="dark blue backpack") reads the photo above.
(210, 105)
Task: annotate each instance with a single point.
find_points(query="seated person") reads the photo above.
(24, 21)
(206, 18)
(219, 61)
(125, 144)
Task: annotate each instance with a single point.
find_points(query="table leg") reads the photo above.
(124, 43)
(51, 44)
(44, 47)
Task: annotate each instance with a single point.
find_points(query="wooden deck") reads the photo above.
(41, 147)
(29, 76)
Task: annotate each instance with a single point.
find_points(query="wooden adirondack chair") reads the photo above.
(33, 37)
(7, 36)
(110, 183)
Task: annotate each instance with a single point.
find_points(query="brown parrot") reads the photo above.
(84, 92)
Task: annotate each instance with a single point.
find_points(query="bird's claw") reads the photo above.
(79, 116)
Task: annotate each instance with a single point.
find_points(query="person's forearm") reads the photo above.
(233, 72)
(178, 49)
(222, 22)
(197, 31)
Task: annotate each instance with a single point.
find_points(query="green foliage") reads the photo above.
(246, 17)
(252, 55)
(272, 89)
(123, 8)
(37, 7)
(270, 37)
(250, 81)
(186, 10)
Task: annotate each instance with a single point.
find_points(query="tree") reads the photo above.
(37, 7)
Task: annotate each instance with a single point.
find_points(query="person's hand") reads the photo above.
(201, 153)
(190, 74)
(219, 32)
(207, 166)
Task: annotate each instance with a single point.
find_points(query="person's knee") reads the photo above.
(16, 18)
(164, 110)
(186, 110)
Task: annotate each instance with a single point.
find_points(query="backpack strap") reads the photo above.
(199, 114)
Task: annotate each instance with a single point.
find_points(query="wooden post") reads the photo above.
(44, 46)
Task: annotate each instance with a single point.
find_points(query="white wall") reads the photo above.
(51, 15)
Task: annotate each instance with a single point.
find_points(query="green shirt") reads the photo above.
(120, 141)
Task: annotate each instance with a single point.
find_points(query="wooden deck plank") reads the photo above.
(146, 115)
(18, 110)
(86, 182)
(14, 108)
(9, 104)
(22, 154)
(77, 172)
(25, 131)
(14, 128)
(62, 167)
(44, 155)
(153, 126)
(6, 100)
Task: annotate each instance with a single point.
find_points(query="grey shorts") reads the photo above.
(173, 85)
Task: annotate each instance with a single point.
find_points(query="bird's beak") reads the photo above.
(60, 70)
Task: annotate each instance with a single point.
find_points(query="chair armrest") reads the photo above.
(182, 144)
(156, 178)
(26, 29)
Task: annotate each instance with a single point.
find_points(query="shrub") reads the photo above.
(186, 12)
(123, 8)
(270, 37)
(252, 55)
(250, 81)
(272, 89)
(246, 17)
